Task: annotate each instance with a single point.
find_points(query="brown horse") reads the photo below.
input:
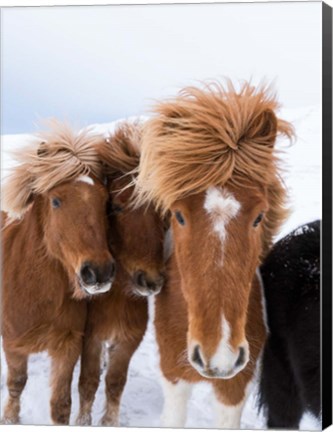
(120, 317)
(55, 252)
(208, 156)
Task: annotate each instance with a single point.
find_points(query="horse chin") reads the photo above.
(92, 290)
(82, 291)
(145, 292)
(214, 373)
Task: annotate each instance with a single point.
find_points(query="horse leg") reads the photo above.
(231, 396)
(61, 380)
(176, 396)
(229, 416)
(278, 390)
(89, 377)
(16, 380)
(120, 355)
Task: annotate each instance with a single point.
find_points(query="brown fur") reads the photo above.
(54, 156)
(120, 316)
(42, 252)
(213, 137)
(173, 343)
(206, 289)
(210, 137)
(121, 151)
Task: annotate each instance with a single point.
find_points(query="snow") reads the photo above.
(303, 230)
(143, 399)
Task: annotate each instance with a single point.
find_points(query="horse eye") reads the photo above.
(55, 202)
(179, 217)
(258, 219)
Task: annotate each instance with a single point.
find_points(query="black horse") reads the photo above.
(290, 379)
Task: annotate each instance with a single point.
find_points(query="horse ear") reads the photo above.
(17, 192)
(264, 128)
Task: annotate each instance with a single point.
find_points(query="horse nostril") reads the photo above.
(88, 275)
(92, 274)
(241, 357)
(152, 285)
(196, 357)
(140, 279)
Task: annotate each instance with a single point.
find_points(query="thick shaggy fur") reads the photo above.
(43, 253)
(221, 139)
(290, 380)
(209, 137)
(119, 316)
(53, 157)
(121, 151)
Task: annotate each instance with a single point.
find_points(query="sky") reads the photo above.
(96, 64)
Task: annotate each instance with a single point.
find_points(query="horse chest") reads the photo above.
(116, 317)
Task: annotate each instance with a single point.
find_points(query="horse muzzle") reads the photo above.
(144, 285)
(96, 279)
(224, 366)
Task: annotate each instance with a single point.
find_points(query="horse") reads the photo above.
(290, 378)
(55, 255)
(208, 157)
(120, 316)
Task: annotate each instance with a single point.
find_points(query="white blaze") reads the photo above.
(86, 179)
(224, 357)
(222, 206)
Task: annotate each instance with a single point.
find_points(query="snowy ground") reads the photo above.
(142, 400)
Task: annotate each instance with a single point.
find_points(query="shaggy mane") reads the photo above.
(213, 136)
(55, 156)
(120, 152)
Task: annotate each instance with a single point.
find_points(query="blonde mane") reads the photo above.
(55, 156)
(120, 152)
(212, 137)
